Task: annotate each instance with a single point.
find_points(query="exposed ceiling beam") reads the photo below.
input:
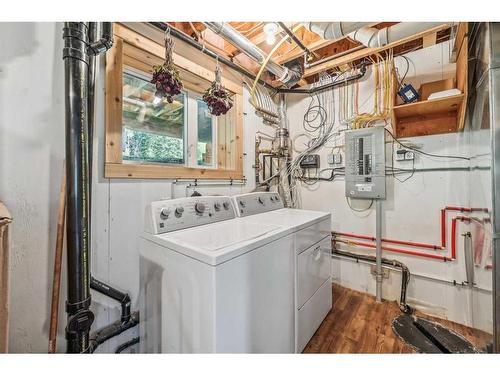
(314, 42)
(365, 52)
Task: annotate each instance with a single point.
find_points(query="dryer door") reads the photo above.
(313, 269)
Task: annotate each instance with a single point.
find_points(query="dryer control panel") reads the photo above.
(175, 214)
(256, 203)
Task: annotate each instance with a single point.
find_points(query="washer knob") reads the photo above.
(261, 200)
(242, 204)
(199, 207)
(226, 205)
(165, 212)
(217, 206)
(179, 211)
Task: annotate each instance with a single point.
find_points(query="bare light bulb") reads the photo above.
(270, 39)
(270, 29)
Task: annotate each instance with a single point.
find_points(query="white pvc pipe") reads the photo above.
(369, 36)
(334, 30)
(373, 38)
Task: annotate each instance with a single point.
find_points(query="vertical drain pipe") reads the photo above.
(76, 73)
(93, 29)
(378, 235)
(79, 73)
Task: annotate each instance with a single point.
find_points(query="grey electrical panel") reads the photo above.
(365, 163)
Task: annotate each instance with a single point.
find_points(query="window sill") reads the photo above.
(156, 171)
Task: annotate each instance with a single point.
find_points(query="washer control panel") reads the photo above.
(256, 203)
(175, 214)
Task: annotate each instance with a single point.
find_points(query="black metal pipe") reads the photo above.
(105, 42)
(79, 72)
(115, 294)
(127, 344)
(80, 318)
(222, 59)
(405, 273)
(93, 29)
(112, 330)
(295, 39)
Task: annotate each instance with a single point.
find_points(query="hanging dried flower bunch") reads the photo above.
(166, 77)
(217, 97)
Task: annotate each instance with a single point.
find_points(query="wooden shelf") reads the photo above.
(427, 107)
(427, 117)
(436, 116)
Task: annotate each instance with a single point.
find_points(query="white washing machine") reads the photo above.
(311, 232)
(211, 282)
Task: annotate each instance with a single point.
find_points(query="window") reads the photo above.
(153, 129)
(150, 138)
(206, 137)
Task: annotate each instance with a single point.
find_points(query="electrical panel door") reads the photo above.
(365, 163)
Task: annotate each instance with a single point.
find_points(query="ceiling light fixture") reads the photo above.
(270, 29)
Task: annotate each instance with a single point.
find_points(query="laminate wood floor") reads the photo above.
(358, 324)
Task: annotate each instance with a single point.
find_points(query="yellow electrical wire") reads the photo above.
(265, 62)
(382, 69)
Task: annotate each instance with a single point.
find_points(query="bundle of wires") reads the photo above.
(319, 127)
(348, 103)
(383, 72)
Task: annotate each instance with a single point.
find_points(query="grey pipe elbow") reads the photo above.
(105, 42)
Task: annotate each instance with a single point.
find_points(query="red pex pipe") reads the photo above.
(454, 208)
(409, 252)
(402, 251)
(420, 244)
(443, 228)
(454, 238)
(398, 242)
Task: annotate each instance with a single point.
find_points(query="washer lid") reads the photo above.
(218, 236)
(216, 243)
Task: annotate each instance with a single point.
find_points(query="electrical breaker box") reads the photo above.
(365, 163)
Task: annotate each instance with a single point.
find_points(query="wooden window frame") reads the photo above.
(135, 51)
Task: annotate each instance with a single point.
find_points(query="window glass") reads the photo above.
(153, 129)
(205, 144)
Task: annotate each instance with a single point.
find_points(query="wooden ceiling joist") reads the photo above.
(366, 52)
(324, 49)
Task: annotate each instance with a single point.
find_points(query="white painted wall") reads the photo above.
(411, 210)
(31, 159)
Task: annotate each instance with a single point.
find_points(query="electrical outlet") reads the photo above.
(400, 154)
(409, 155)
(403, 155)
(334, 159)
